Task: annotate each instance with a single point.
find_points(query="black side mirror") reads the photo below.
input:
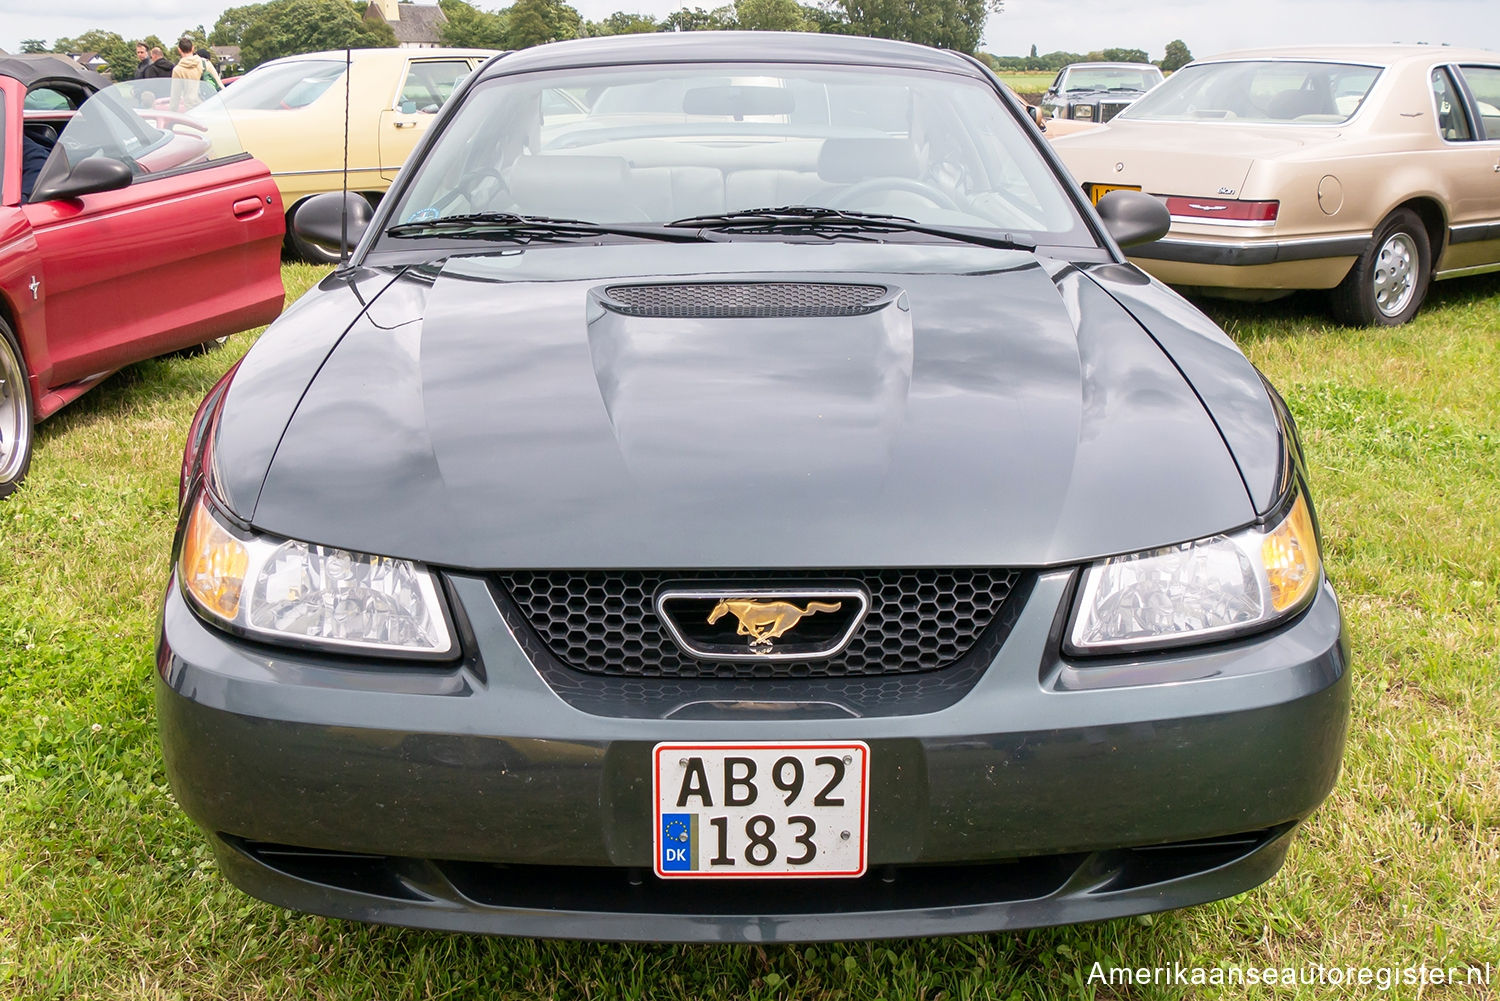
(1134, 217)
(320, 220)
(96, 173)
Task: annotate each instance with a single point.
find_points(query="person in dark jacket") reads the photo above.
(33, 157)
(160, 68)
(155, 66)
(142, 60)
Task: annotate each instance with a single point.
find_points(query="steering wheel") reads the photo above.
(470, 187)
(870, 185)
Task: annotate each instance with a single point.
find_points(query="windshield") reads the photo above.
(1259, 91)
(1111, 78)
(653, 145)
(282, 86)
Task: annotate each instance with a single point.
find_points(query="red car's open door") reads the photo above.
(155, 231)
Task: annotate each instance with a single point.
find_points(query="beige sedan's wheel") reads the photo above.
(15, 414)
(1388, 283)
(1395, 279)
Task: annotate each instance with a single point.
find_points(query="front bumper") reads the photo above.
(474, 798)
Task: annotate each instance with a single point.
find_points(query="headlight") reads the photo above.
(1083, 111)
(1199, 590)
(288, 591)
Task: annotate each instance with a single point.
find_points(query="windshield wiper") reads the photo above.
(508, 225)
(818, 221)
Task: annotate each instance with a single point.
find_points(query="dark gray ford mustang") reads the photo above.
(737, 490)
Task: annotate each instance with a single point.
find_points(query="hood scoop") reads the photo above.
(757, 300)
(697, 398)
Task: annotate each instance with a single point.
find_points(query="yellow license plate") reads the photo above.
(1098, 191)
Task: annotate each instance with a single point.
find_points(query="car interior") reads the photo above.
(74, 124)
(736, 145)
(1273, 91)
(49, 105)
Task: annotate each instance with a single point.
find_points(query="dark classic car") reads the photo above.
(142, 233)
(1097, 92)
(764, 506)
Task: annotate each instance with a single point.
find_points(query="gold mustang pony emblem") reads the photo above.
(764, 621)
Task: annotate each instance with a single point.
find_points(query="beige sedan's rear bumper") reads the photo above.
(1319, 262)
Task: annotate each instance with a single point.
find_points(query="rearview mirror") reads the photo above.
(738, 101)
(94, 174)
(320, 220)
(1134, 217)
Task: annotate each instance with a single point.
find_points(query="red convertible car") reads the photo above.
(125, 233)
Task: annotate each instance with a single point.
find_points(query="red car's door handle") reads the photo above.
(249, 208)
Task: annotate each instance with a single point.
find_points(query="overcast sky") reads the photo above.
(1071, 25)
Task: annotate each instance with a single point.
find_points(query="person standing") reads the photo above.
(210, 71)
(33, 158)
(160, 67)
(186, 78)
(153, 65)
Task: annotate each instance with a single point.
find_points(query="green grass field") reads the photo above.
(1028, 83)
(108, 892)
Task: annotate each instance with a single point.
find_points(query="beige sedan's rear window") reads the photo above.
(1484, 84)
(1268, 91)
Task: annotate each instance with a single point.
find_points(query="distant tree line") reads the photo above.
(947, 24)
(118, 52)
(265, 31)
(262, 31)
(1177, 56)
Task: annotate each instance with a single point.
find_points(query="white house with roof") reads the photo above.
(417, 25)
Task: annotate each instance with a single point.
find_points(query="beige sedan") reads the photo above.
(290, 114)
(1368, 171)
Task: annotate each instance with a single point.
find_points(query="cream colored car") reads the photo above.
(290, 114)
(1367, 171)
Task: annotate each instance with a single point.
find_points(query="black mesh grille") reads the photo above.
(744, 299)
(605, 622)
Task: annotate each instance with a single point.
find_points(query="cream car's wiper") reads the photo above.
(829, 221)
(508, 225)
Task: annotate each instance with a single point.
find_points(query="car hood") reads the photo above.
(493, 412)
(1203, 159)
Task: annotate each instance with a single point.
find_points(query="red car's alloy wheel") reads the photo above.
(15, 414)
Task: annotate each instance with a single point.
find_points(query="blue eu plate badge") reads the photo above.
(679, 842)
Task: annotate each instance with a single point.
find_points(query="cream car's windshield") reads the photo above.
(658, 144)
(282, 86)
(1269, 91)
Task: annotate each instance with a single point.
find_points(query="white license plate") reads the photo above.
(796, 809)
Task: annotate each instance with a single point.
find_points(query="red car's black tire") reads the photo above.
(1389, 282)
(17, 420)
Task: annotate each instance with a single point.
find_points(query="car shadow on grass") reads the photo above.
(1307, 311)
(1032, 963)
(139, 388)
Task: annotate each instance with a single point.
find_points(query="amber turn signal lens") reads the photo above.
(213, 563)
(1290, 553)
